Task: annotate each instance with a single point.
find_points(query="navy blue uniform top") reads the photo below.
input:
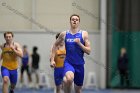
(25, 60)
(74, 54)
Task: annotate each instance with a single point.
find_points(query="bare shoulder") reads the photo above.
(17, 44)
(84, 34)
(63, 34)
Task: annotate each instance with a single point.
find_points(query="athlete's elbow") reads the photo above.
(88, 52)
(21, 56)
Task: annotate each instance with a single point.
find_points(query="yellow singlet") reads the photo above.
(59, 58)
(9, 59)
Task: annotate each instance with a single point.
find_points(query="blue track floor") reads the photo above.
(25, 90)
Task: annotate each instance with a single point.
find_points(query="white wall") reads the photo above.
(16, 15)
(44, 42)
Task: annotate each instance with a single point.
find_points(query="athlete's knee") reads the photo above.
(68, 79)
(69, 76)
(5, 80)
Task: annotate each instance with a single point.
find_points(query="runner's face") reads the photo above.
(74, 21)
(8, 38)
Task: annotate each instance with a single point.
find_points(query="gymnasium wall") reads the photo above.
(36, 15)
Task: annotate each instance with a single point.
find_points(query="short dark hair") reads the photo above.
(8, 32)
(57, 35)
(35, 48)
(75, 15)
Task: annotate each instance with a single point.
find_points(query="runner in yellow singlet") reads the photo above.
(10, 52)
(59, 63)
